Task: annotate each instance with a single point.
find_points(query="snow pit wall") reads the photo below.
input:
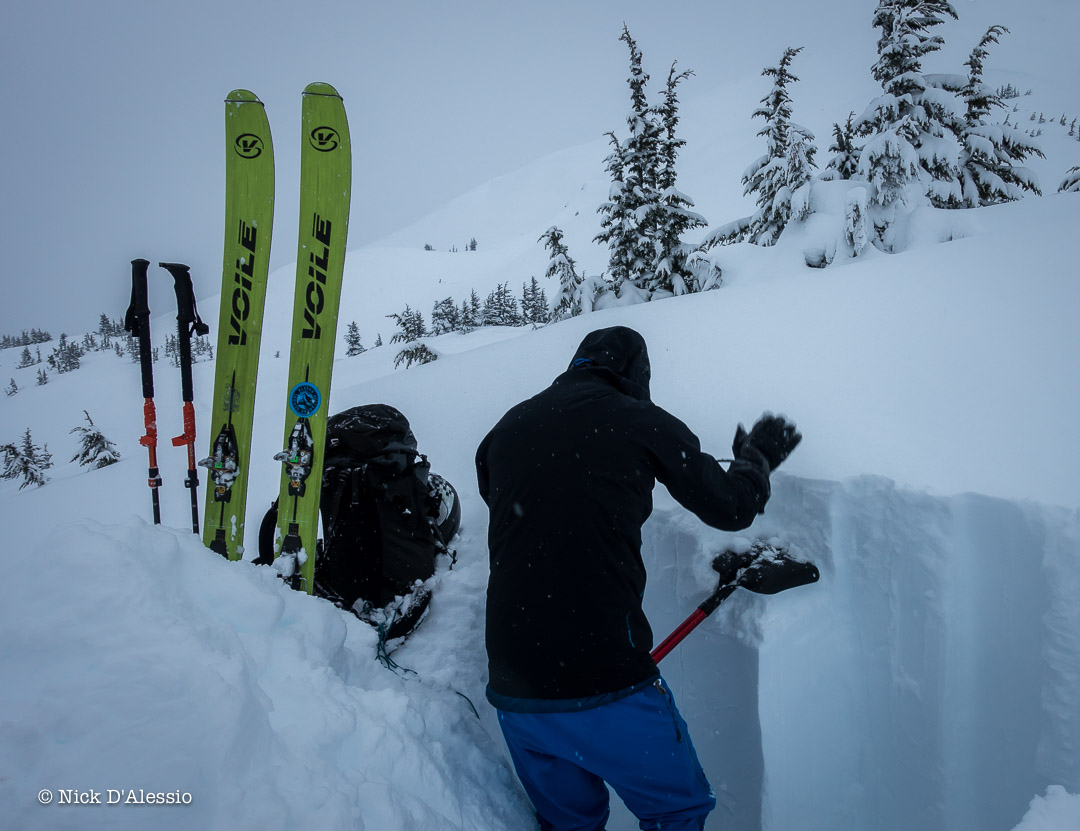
(931, 679)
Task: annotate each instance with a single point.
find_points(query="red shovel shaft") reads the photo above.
(675, 638)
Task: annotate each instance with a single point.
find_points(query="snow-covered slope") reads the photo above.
(928, 681)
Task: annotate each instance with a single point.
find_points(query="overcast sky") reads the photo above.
(113, 143)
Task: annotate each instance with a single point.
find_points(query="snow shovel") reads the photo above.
(764, 569)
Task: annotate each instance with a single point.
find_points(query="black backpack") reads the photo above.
(385, 516)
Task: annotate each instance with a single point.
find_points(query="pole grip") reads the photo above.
(137, 323)
(188, 321)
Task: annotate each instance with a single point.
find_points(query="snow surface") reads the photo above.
(930, 681)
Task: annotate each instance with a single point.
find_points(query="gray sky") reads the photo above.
(113, 144)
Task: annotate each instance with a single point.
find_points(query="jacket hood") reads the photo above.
(619, 353)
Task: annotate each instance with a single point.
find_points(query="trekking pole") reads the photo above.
(765, 569)
(137, 323)
(188, 322)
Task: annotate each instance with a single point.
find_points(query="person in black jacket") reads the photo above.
(568, 477)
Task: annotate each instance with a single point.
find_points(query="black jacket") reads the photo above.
(568, 478)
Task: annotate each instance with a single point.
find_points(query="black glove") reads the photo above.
(773, 437)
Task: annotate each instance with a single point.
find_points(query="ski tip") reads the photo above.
(319, 88)
(242, 96)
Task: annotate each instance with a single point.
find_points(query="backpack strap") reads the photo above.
(266, 536)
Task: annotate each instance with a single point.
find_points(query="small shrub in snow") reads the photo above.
(95, 450)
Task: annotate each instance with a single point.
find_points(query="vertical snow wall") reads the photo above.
(931, 680)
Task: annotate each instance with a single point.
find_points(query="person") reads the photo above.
(568, 476)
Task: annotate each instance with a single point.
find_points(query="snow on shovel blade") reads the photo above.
(764, 569)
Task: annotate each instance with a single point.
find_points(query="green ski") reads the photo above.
(249, 218)
(325, 184)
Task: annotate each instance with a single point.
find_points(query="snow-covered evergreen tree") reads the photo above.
(777, 177)
(618, 228)
(475, 307)
(856, 227)
(633, 201)
(410, 325)
(642, 163)
(991, 155)
(1071, 182)
(12, 388)
(133, 349)
(911, 152)
(418, 353)
(845, 150)
(445, 317)
(534, 303)
(66, 356)
(645, 216)
(673, 216)
(567, 301)
(500, 308)
(465, 317)
(42, 378)
(26, 359)
(94, 449)
(353, 346)
(28, 462)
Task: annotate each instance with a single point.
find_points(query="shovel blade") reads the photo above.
(764, 569)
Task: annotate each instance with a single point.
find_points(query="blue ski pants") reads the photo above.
(639, 745)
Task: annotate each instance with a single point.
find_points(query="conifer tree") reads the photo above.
(568, 300)
(674, 216)
(418, 353)
(845, 150)
(534, 304)
(353, 346)
(642, 164)
(474, 307)
(42, 378)
(909, 142)
(465, 317)
(1071, 182)
(9, 455)
(28, 462)
(991, 155)
(781, 172)
(12, 388)
(66, 356)
(411, 329)
(634, 201)
(445, 317)
(411, 326)
(95, 450)
(500, 308)
(26, 359)
(617, 222)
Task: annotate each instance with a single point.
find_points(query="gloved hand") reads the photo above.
(773, 437)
